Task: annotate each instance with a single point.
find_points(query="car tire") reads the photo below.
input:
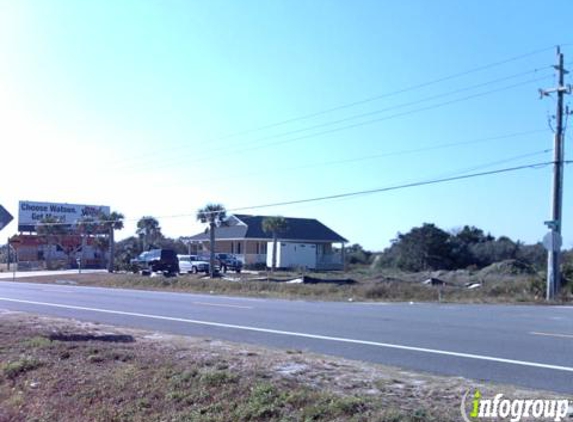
(194, 270)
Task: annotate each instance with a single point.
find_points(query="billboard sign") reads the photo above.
(30, 213)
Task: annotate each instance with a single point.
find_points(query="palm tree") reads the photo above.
(112, 222)
(274, 225)
(214, 215)
(148, 231)
(53, 229)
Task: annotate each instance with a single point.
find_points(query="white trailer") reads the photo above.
(292, 255)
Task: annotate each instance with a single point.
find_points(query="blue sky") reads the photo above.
(159, 107)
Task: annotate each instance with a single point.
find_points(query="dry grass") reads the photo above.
(54, 369)
(364, 286)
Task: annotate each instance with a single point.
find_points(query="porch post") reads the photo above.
(343, 256)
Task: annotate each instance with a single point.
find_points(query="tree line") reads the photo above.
(430, 248)
(423, 248)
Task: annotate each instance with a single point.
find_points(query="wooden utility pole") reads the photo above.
(554, 245)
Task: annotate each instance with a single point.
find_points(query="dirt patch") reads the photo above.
(56, 369)
(112, 338)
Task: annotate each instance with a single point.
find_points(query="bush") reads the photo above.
(259, 266)
(13, 369)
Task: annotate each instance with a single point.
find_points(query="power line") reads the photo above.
(378, 190)
(394, 93)
(379, 96)
(344, 195)
(392, 188)
(346, 127)
(396, 115)
(402, 105)
(462, 171)
(372, 156)
(494, 163)
(362, 115)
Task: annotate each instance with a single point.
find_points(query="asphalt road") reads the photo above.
(29, 274)
(529, 346)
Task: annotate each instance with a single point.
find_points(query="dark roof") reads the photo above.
(232, 232)
(299, 229)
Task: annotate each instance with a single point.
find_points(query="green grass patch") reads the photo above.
(13, 369)
(37, 341)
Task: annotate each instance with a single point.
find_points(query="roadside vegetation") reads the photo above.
(54, 369)
(426, 264)
(361, 284)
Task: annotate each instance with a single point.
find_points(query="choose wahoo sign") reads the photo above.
(31, 213)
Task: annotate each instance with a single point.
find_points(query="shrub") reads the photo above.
(22, 365)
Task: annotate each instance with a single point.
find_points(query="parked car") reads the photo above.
(139, 261)
(157, 260)
(192, 264)
(229, 262)
(224, 262)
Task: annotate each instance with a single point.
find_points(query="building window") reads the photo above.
(238, 247)
(258, 248)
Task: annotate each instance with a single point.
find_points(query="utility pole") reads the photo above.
(553, 242)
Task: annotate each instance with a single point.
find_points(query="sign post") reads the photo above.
(8, 252)
(14, 267)
(13, 244)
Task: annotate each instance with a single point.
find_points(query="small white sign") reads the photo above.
(552, 241)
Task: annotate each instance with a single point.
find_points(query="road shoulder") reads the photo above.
(88, 362)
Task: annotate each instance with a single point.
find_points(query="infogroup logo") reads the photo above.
(501, 408)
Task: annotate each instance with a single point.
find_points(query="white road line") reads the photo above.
(537, 333)
(57, 291)
(303, 335)
(224, 305)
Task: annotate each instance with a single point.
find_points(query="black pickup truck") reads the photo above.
(156, 260)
